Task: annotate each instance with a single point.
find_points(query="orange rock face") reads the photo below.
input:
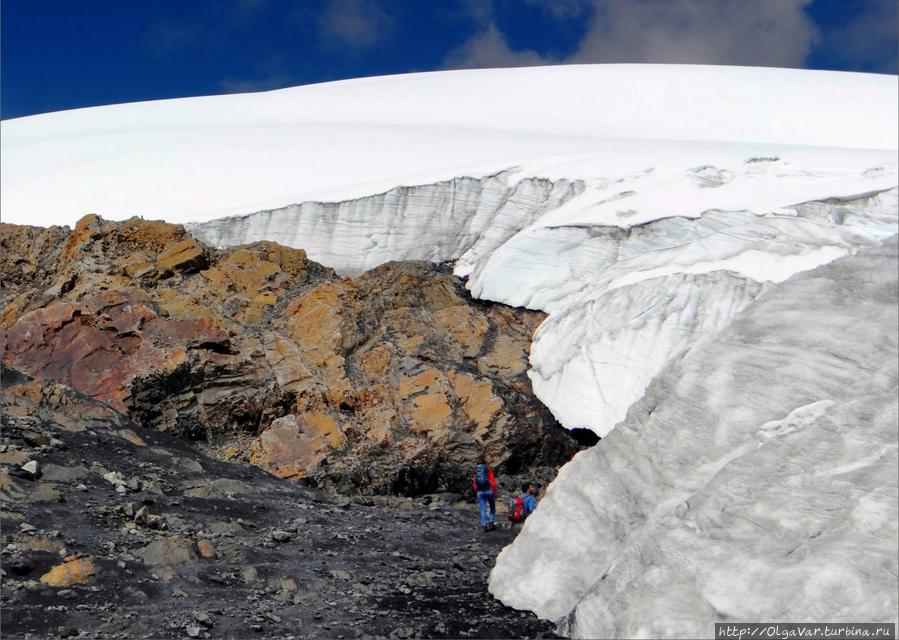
(292, 446)
(100, 344)
(185, 255)
(124, 313)
(74, 571)
(411, 369)
(391, 382)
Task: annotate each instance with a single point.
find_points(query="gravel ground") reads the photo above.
(152, 539)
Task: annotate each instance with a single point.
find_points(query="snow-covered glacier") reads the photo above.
(755, 479)
(657, 213)
(662, 286)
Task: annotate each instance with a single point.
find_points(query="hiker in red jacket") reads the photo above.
(484, 484)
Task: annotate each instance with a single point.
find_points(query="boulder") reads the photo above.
(76, 570)
(185, 255)
(169, 552)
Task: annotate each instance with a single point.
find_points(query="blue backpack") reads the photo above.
(482, 478)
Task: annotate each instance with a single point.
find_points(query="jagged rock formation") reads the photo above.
(398, 358)
(115, 303)
(111, 530)
(392, 382)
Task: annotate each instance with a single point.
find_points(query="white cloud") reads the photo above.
(759, 33)
(735, 32)
(488, 49)
(357, 24)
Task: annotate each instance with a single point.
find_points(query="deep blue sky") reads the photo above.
(63, 54)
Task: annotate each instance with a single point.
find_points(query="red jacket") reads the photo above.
(474, 482)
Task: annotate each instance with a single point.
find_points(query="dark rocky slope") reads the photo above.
(111, 530)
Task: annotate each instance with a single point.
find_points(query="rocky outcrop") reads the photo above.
(71, 572)
(138, 312)
(400, 369)
(392, 382)
(99, 344)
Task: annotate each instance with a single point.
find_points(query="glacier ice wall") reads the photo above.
(434, 222)
(755, 480)
(630, 301)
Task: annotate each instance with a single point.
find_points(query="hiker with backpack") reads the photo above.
(523, 505)
(484, 484)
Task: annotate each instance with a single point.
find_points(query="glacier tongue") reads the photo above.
(755, 480)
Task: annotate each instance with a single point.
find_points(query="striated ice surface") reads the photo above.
(621, 306)
(755, 480)
(591, 363)
(436, 222)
